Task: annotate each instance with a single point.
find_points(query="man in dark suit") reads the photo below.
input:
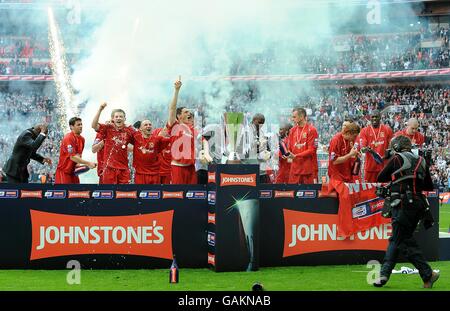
(24, 150)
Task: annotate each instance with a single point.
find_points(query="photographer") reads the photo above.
(408, 175)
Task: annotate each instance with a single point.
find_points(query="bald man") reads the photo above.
(411, 131)
(146, 149)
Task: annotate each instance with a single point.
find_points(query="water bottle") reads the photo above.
(174, 273)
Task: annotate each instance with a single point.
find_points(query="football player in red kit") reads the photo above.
(117, 136)
(302, 141)
(146, 149)
(377, 137)
(342, 152)
(411, 131)
(70, 153)
(182, 142)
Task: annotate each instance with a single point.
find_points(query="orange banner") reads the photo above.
(56, 235)
(313, 232)
(237, 180)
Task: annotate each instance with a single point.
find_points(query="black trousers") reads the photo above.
(404, 223)
(15, 180)
(264, 179)
(202, 177)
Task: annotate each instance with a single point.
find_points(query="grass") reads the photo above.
(330, 278)
(444, 218)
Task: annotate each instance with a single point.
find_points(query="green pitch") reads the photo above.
(332, 278)
(444, 218)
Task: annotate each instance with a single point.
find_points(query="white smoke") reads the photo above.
(142, 47)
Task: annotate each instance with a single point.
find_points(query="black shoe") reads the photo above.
(381, 281)
(434, 278)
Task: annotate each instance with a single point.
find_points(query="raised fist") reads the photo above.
(178, 84)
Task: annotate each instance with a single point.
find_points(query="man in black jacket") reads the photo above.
(24, 150)
(409, 176)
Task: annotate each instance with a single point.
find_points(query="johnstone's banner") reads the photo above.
(240, 225)
(103, 226)
(56, 235)
(300, 226)
(312, 232)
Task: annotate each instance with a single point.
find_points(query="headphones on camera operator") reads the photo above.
(413, 168)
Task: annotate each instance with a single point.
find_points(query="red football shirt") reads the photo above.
(340, 147)
(378, 139)
(182, 143)
(116, 145)
(71, 145)
(145, 153)
(303, 143)
(416, 139)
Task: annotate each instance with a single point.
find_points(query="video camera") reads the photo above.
(383, 191)
(390, 201)
(426, 153)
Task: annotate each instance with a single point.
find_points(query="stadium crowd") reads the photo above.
(355, 53)
(424, 49)
(24, 56)
(326, 107)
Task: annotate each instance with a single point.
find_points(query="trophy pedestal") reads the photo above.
(234, 162)
(233, 159)
(236, 217)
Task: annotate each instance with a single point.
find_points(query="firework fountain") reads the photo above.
(65, 101)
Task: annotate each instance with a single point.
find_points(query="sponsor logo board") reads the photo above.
(312, 232)
(237, 180)
(55, 235)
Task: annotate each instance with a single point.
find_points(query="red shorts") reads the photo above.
(301, 179)
(282, 177)
(184, 175)
(64, 178)
(165, 180)
(370, 176)
(114, 176)
(146, 179)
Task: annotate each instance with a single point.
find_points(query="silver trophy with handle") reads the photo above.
(235, 142)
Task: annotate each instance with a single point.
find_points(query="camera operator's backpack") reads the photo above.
(414, 167)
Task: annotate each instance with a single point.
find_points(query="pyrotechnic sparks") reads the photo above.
(61, 75)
